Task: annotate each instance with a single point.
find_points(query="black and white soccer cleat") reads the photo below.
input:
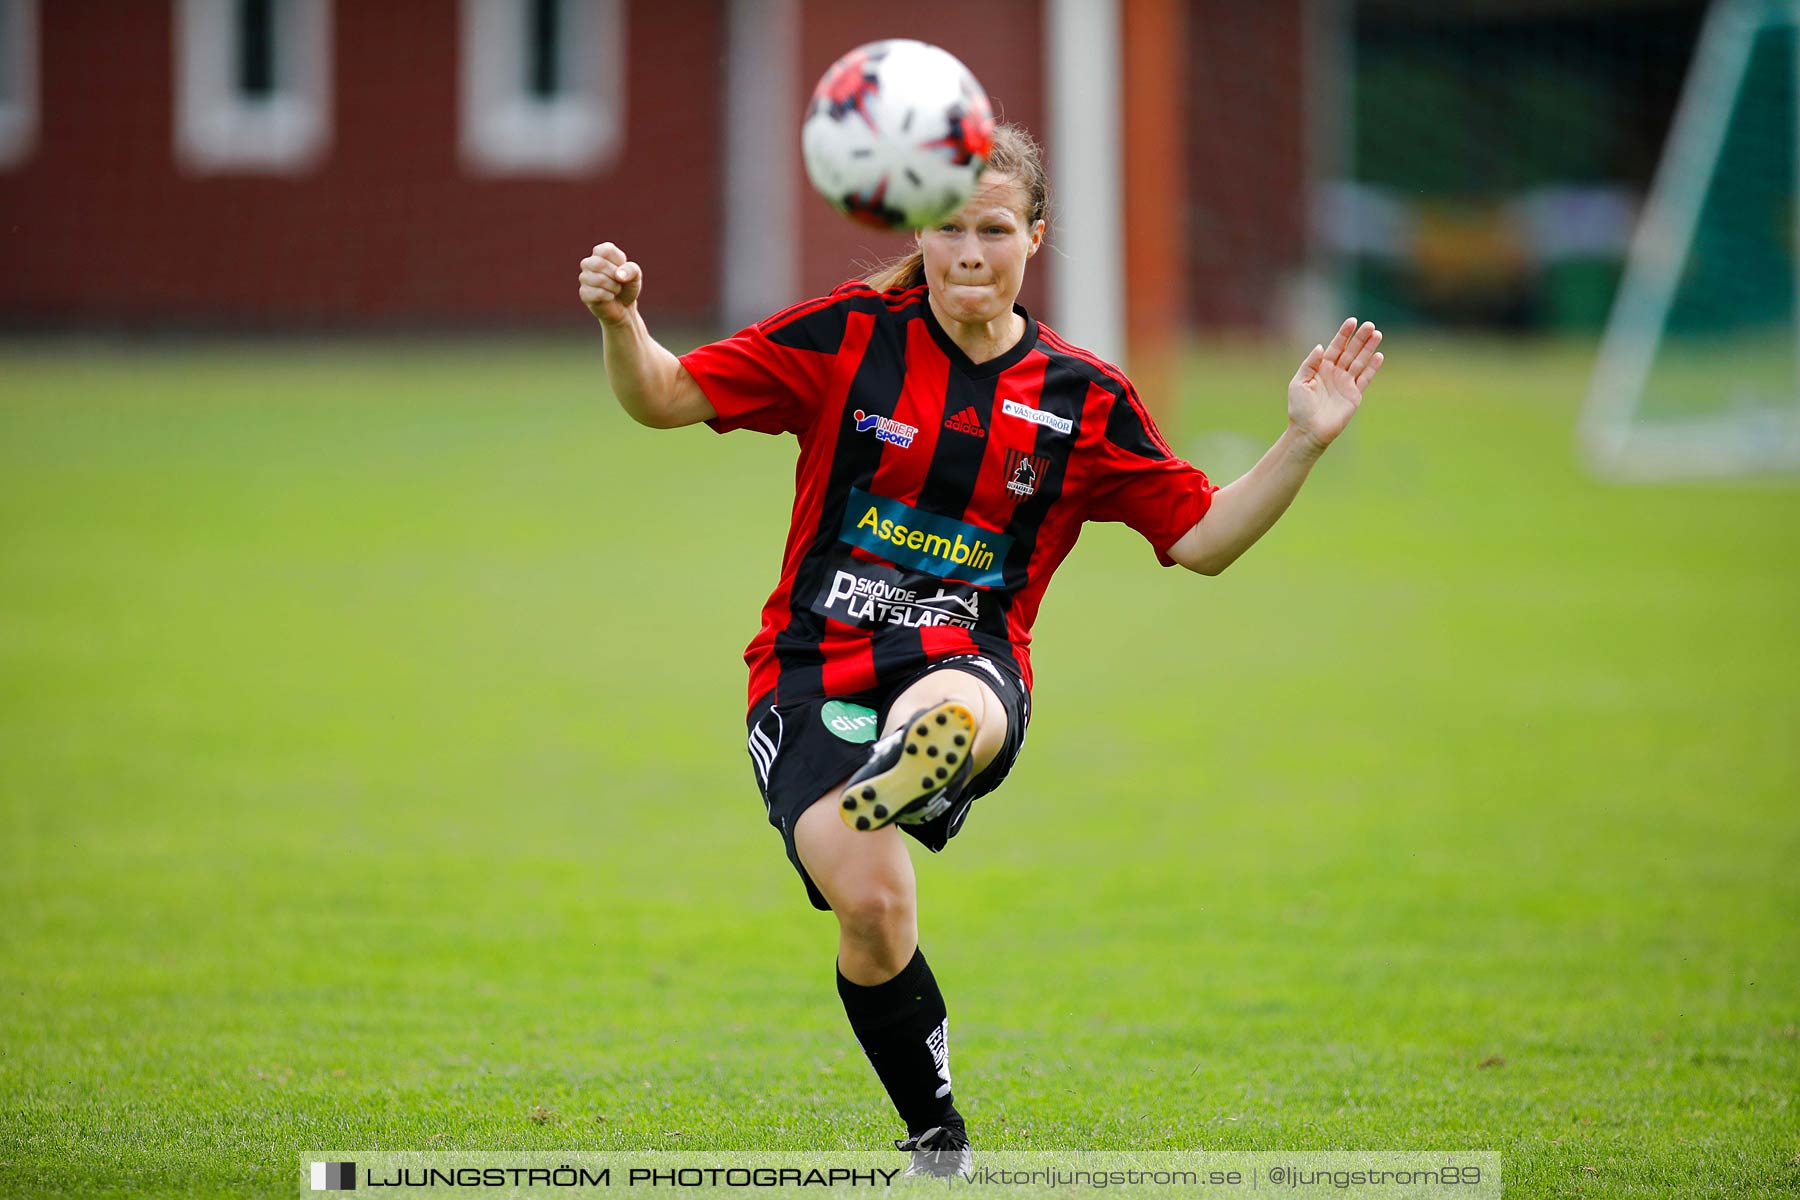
(914, 773)
(941, 1152)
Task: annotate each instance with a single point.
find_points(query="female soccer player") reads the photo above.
(950, 449)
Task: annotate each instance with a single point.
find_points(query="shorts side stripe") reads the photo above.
(762, 742)
(763, 750)
(761, 757)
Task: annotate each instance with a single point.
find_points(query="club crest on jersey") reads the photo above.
(967, 421)
(1037, 416)
(1024, 472)
(894, 433)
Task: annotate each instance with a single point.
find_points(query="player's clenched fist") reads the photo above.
(610, 283)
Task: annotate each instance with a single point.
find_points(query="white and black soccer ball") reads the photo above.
(897, 133)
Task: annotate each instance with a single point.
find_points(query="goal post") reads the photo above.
(1698, 372)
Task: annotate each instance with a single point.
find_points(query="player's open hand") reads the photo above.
(1328, 388)
(610, 283)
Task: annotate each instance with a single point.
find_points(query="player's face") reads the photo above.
(975, 258)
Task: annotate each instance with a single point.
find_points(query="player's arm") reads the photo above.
(650, 382)
(1322, 397)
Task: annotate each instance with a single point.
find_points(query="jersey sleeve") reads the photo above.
(1140, 481)
(770, 376)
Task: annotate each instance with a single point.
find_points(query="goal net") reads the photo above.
(1699, 368)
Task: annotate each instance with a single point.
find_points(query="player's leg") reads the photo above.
(1002, 710)
(889, 993)
(965, 688)
(867, 878)
(943, 730)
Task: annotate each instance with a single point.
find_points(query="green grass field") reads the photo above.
(371, 760)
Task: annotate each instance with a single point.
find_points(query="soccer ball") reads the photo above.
(896, 134)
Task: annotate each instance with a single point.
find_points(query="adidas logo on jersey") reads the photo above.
(966, 421)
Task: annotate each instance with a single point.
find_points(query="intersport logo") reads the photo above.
(886, 429)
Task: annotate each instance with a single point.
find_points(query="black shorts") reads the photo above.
(801, 749)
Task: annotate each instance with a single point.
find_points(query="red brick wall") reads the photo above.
(1246, 145)
(101, 228)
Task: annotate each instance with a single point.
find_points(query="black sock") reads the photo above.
(905, 1032)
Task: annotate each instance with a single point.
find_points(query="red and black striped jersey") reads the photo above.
(934, 495)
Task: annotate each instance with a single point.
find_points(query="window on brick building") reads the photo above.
(543, 91)
(253, 85)
(18, 81)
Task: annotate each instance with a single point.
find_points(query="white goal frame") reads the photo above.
(1617, 439)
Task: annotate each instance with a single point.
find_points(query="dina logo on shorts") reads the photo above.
(852, 722)
(333, 1177)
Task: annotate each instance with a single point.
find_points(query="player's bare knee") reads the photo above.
(875, 913)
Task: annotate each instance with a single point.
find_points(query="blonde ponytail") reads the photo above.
(898, 274)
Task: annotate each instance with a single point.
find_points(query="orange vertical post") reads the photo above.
(1155, 38)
